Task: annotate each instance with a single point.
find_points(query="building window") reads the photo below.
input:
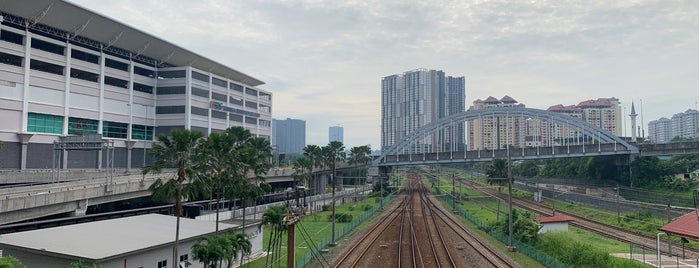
(237, 87)
(251, 104)
(162, 264)
(184, 257)
(114, 129)
(116, 65)
(250, 91)
(84, 56)
(265, 108)
(169, 110)
(171, 74)
(143, 72)
(200, 76)
(48, 47)
(12, 37)
(200, 111)
(170, 90)
(217, 114)
(116, 82)
(235, 118)
(83, 75)
(142, 88)
(219, 82)
(219, 96)
(251, 120)
(139, 131)
(200, 92)
(46, 67)
(82, 126)
(10, 59)
(45, 123)
(265, 96)
(236, 101)
(265, 123)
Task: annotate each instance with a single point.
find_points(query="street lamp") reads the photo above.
(660, 265)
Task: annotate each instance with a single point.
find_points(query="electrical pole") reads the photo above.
(509, 186)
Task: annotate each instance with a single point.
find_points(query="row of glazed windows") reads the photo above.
(74, 73)
(119, 65)
(53, 124)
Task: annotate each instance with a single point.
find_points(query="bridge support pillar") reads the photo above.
(24, 140)
(129, 149)
(81, 208)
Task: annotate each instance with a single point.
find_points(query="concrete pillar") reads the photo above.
(81, 208)
(129, 147)
(24, 139)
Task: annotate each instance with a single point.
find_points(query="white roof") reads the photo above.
(101, 240)
(71, 18)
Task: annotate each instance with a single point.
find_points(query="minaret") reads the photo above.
(633, 123)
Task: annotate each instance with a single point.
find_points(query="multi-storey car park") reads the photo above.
(66, 71)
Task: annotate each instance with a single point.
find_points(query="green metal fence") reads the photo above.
(524, 248)
(323, 243)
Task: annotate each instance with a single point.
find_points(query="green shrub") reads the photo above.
(559, 246)
(325, 207)
(341, 217)
(367, 207)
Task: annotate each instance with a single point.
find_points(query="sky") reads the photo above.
(323, 60)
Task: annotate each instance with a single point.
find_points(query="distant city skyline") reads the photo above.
(324, 61)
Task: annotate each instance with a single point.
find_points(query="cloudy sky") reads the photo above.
(324, 60)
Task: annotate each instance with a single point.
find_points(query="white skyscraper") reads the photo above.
(335, 134)
(419, 97)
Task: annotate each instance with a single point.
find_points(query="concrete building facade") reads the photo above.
(108, 80)
(289, 135)
(496, 132)
(682, 125)
(415, 98)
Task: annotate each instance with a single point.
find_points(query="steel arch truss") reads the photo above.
(591, 132)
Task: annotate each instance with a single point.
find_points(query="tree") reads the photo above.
(218, 165)
(179, 151)
(497, 172)
(11, 262)
(314, 155)
(273, 218)
(334, 152)
(527, 168)
(524, 228)
(360, 155)
(208, 250)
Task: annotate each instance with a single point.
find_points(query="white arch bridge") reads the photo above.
(521, 133)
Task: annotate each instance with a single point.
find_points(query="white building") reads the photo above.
(335, 134)
(138, 241)
(683, 125)
(554, 223)
(68, 71)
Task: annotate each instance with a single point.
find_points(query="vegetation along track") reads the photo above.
(420, 233)
(582, 222)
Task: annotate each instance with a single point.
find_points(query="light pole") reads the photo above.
(509, 201)
(660, 265)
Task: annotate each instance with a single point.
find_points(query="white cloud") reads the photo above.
(324, 60)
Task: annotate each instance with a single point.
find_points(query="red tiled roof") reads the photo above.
(491, 99)
(560, 218)
(508, 99)
(687, 225)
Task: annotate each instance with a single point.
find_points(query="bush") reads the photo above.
(341, 217)
(559, 246)
(325, 207)
(367, 207)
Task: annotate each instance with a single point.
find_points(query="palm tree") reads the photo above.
(314, 155)
(496, 171)
(360, 155)
(218, 165)
(334, 152)
(179, 150)
(207, 251)
(273, 218)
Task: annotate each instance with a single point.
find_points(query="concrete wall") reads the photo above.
(554, 227)
(10, 155)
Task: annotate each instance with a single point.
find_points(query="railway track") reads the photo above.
(582, 222)
(420, 233)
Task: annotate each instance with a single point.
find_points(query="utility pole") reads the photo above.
(332, 178)
(453, 193)
(290, 221)
(509, 186)
(618, 210)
